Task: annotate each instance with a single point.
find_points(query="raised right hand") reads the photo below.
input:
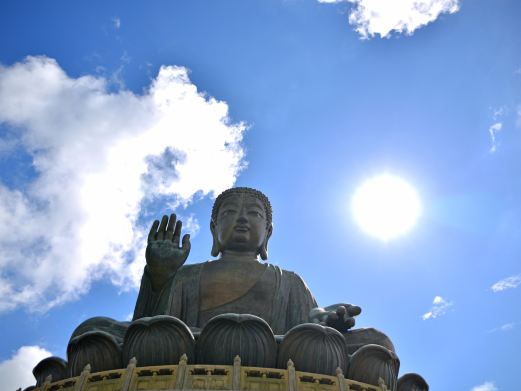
(164, 255)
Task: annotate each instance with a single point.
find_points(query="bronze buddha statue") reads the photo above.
(235, 304)
(237, 282)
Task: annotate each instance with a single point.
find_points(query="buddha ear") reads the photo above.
(264, 247)
(215, 244)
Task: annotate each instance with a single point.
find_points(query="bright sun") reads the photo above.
(386, 206)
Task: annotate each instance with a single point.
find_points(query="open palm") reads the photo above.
(163, 250)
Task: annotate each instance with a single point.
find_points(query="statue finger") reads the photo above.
(354, 310)
(177, 232)
(162, 228)
(153, 231)
(186, 243)
(170, 227)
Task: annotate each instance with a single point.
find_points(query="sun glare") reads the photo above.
(386, 207)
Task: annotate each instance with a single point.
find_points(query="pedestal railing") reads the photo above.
(206, 377)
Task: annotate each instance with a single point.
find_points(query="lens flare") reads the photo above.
(386, 207)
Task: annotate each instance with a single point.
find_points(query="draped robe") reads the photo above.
(278, 296)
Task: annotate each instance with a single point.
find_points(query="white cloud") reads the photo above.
(439, 307)
(101, 157)
(506, 283)
(191, 225)
(493, 131)
(487, 386)
(16, 371)
(380, 17)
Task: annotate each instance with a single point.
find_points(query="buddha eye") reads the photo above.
(228, 212)
(255, 213)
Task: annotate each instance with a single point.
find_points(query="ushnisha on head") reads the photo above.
(241, 224)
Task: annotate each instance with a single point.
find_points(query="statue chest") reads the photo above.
(225, 282)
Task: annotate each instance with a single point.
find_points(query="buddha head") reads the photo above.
(241, 223)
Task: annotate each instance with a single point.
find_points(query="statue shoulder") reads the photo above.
(288, 275)
(189, 270)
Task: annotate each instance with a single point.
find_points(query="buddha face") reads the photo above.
(241, 225)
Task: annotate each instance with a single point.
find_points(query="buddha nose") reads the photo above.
(242, 217)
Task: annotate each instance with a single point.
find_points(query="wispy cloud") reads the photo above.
(95, 154)
(498, 112)
(377, 17)
(497, 126)
(505, 327)
(116, 21)
(7, 145)
(487, 386)
(16, 371)
(439, 307)
(191, 225)
(506, 283)
(508, 326)
(493, 131)
(116, 78)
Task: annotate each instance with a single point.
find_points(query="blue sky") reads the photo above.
(113, 113)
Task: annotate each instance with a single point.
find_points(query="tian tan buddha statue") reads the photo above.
(235, 305)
